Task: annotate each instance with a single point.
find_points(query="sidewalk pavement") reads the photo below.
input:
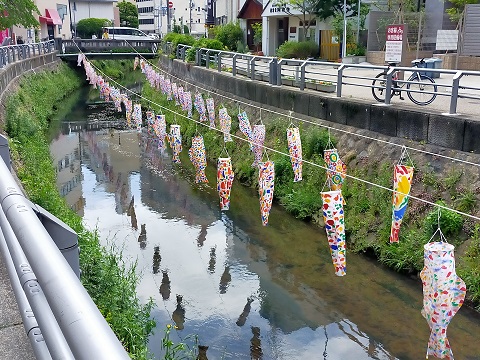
(14, 344)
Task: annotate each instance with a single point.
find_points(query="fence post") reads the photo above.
(272, 76)
(198, 57)
(388, 87)
(219, 61)
(340, 80)
(252, 68)
(279, 73)
(234, 64)
(207, 59)
(454, 96)
(302, 75)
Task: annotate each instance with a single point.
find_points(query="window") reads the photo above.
(143, 10)
(145, 21)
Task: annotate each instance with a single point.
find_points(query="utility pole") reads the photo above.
(190, 27)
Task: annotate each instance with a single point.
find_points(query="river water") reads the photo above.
(247, 291)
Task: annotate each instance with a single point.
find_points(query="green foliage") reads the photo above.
(177, 39)
(298, 50)
(180, 350)
(18, 12)
(229, 35)
(110, 283)
(469, 270)
(257, 34)
(315, 141)
(186, 30)
(203, 43)
(87, 27)
(450, 222)
(466, 201)
(457, 7)
(128, 14)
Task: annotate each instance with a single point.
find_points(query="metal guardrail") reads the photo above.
(88, 45)
(12, 53)
(303, 74)
(60, 318)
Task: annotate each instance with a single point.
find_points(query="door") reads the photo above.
(282, 31)
(329, 46)
(51, 32)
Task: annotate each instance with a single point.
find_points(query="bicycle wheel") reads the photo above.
(422, 88)
(378, 87)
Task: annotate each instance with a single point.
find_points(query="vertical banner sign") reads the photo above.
(210, 15)
(394, 43)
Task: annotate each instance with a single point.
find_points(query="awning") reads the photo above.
(51, 17)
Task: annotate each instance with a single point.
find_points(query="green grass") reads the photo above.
(108, 280)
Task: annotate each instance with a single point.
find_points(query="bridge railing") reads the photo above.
(60, 318)
(12, 53)
(334, 77)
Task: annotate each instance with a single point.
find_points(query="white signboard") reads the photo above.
(446, 40)
(394, 43)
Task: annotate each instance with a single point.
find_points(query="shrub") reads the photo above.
(229, 34)
(87, 27)
(299, 50)
(203, 43)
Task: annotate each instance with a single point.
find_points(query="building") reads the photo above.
(152, 15)
(85, 9)
(54, 22)
(249, 14)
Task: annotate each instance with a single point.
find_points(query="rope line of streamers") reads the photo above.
(260, 108)
(252, 142)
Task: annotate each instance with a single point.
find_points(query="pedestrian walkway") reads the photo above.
(14, 344)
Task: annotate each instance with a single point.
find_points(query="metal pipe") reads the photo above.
(454, 96)
(388, 87)
(82, 324)
(30, 324)
(55, 341)
(339, 80)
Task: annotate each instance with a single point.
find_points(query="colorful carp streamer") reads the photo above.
(225, 124)
(337, 170)
(137, 116)
(198, 158)
(266, 184)
(175, 141)
(225, 177)
(258, 138)
(245, 127)
(168, 89)
(443, 295)
(160, 128)
(295, 151)
(333, 217)
(402, 181)
(150, 122)
(200, 107)
(175, 93)
(181, 101)
(136, 62)
(187, 101)
(211, 112)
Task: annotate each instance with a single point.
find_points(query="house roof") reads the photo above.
(251, 9)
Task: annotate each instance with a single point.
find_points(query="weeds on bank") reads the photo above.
(108, 280)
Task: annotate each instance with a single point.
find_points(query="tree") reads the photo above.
(231, 35)
(128, 14)
(257, 34)
(458, 7)
(87, 27)
(18, 12)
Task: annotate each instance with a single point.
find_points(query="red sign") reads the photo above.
(395, 33)
(170, 4)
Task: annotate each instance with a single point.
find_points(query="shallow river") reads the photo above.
(247, 291)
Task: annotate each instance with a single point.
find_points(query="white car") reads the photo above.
(127, 33)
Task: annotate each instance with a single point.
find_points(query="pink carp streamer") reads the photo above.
(225, 177)
(136, 62)
(225, 124)
(258, 139)
(181, 99)
(150, 122)
(160, 128)
(211, 112)
(402, 182)
(334, 219)
(266, 185)
(187, 101)
(295, 151)
(198, 158)
(175, 141)
(137, 116)
(245, 128)
(443, 295)
(169, 89)
(337, 170)
(200, 107)
(175, 93)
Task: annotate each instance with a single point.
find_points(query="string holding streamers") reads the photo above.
(443, 293)
(402, 182)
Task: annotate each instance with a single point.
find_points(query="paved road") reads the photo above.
(359, 88)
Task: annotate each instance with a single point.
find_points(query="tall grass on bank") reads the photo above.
(106, 277)
(368, 209)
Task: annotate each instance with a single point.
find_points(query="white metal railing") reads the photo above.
(12, 53)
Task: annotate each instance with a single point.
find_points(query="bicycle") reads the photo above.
(421, 89)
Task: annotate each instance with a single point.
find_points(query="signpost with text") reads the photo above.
(396, 37)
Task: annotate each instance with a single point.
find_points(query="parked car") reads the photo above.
(127, 33)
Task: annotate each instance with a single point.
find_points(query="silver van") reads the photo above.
(127, 33)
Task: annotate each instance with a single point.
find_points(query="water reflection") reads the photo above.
(302, 312)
